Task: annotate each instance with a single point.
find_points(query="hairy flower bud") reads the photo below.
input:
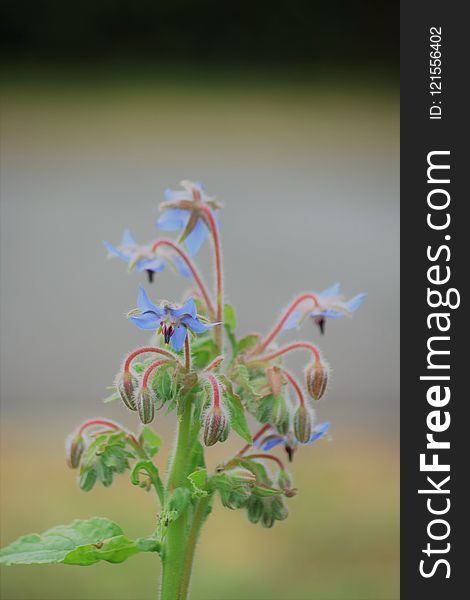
(254, 509)
(303, 424)
(126, 384)
(145, 405)
(280, 414)
(279, 509)
(267, 518)
(216, 425)
(317, 379)
(74, 447)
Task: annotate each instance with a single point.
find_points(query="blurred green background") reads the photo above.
(289, 114)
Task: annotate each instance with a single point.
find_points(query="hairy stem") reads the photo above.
(210, 221)
(191, 266)
(289, 348)
(200, 514)
(178, 553)
(285, 315)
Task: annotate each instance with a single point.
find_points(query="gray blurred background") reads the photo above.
(309, 183)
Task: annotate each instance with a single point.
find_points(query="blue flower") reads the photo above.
(142, 258)
(331, 306)
(271, 440)
(182, 212)
(172, 321)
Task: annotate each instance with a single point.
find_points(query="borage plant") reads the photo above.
(198, 368)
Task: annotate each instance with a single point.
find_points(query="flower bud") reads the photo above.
(317, 379)
(303, 424)
(145, 405)
(74, 448)
(216, 425)
(280, 414)
(126, 385)
(254, 509)
(279, 509)
(267, 519)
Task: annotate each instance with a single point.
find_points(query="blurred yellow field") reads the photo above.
(339, 542)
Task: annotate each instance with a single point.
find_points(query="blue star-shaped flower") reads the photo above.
(289, 441)
(181, 214)
(173, 322)
(331, 306)
(142, 258)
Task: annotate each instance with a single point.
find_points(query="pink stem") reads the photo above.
(187, 352)
(111, 425)
(295, 385)
(269, 457)
(283, 319)
(210, 221)
(215, 390)
(103, 422)
(215, 363)
(257, 435)
(131, 357)
(191, 266)
(284, 350)
(151, 368)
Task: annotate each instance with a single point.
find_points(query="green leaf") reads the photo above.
(238, 419)
(230, 324)
(203, 351)
(248, 341)
(153, 475)
(80, 543)
(230, 320)
(242, 377)
(112, 397)
(106, 456)
(198, 480)
(162, 383)
(150, 441)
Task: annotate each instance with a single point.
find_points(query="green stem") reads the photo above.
(175, 556)
(200, 514)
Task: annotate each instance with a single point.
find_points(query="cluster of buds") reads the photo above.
(100, 449)
(139, 392)
(266, 510)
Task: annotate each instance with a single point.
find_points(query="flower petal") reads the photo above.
(151, 264)
(128, 239)
(182, 267)
(148, 320)
(292, 320)
(196, 325)
(196, 238)
(145, 305)
(331, 313)
(318, 431)
(271, 443)
(334, 290)
(173, 219)
(178, 337)
(172, 195)
(188, 308)
(113, 251)
(355, 302)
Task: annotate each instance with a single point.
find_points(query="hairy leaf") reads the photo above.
(83, 542)
(150, 441)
